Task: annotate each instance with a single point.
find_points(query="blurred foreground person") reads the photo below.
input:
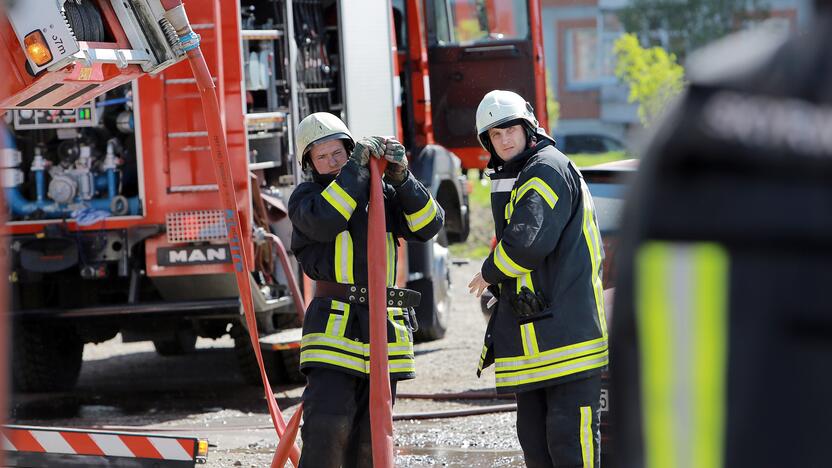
(722, 335)
(547, 336)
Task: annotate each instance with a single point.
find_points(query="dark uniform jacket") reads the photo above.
(329, 239)
(548, 241)
(722, 329)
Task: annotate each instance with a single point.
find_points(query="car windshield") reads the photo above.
(608, 194)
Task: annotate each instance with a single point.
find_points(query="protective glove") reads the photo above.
(527, 304)
(366, 147)
(395, 154)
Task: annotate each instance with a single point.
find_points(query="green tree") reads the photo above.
(682, 26)
(652, 74)
(552, 105)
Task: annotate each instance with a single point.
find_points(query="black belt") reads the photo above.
(358, 294)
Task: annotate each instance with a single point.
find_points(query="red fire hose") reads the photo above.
(175, 12)
(381, 400)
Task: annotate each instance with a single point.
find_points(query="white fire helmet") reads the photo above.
(317, 128)
(499, 107)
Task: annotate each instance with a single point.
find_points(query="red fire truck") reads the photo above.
(115, 223)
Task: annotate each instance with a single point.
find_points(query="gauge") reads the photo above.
(26, 113)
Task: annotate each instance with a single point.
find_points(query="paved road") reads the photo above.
(127, 385)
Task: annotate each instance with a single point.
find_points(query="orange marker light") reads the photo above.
(37, 49)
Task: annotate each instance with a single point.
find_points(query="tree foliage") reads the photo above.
(684, 25)
(653, 75)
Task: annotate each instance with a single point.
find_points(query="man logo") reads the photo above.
(203, 255)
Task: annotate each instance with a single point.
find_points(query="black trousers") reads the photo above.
(336, 420)
(558, 426)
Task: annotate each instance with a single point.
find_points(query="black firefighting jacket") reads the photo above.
(329, 216)
(548, 241)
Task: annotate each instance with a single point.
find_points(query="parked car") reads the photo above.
(588, 143)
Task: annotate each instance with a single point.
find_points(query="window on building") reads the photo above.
(589, 52)
(474, 21)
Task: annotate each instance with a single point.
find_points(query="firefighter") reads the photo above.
(722, 320)
(547, 336)
(329, 239)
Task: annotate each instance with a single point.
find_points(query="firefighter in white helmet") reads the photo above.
(329, 239)
(547, 336)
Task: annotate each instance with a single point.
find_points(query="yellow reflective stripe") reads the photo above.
(334, 358)
(398, 328)
(682, 296)
(551, 356)
(482, 357)
(553, 371)
(529, 336)
(537, 184)
(352, 346)
(587, 438)
(338, 305)
(345, 320)
(333, 324)
(343, 258)
(421, 218)
(593, 243)
(339, 199)
(391, 260)
(337, 342)
(505, 264)
(526, 281)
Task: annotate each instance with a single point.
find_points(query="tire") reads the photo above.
(247, 360)
(288, 367)
(434, 310)
(46, 357)
(182, 342)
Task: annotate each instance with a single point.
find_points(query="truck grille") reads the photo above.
(195, 226)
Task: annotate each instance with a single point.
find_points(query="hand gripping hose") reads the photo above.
(381, 406)
(175, 13)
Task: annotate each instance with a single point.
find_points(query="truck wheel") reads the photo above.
(288, 366)
(182, 342)
(45, 357)
(435, 307)
(247, 360)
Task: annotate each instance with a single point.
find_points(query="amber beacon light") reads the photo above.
(37, 49)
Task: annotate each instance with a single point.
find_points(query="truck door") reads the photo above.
(475, 46)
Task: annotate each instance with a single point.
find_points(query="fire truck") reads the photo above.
(114, 223)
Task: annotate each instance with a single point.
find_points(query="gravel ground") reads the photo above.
(128, 386)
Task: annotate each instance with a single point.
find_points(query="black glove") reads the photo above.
(366, 147)
(527, 304)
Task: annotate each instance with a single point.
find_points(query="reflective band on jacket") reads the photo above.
(587, 438)
(682, 303)
(551, 356)
(391, 260)
(502, 185)
(421, 218)
(337, 323)
(510, 379)
(593, 244)
(537, 184)
(339, 199)
(505, 264)
(525, 280)
(529, 337)
(343, 258)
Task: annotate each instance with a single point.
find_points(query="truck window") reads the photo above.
(477, 21)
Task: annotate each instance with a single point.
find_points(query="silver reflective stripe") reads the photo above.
(335, 359)
(557, 356)
(587, 439)
(358, 348)
(502, 185)
(400, 348)
(528, 348)
(682, 296)
(402, 367)
(521, 377)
